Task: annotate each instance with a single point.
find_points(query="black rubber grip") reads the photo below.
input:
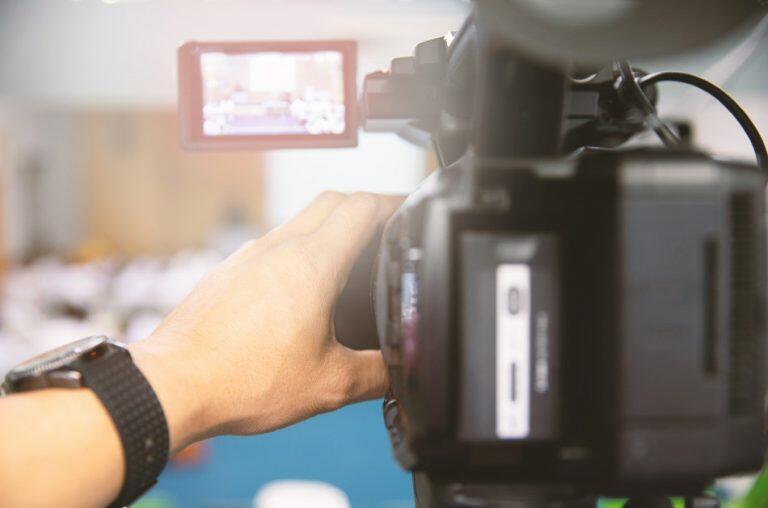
(138, 417)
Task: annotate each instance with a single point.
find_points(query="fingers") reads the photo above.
(310, 218)
(351, 225)
(304, 223)
(369, 375)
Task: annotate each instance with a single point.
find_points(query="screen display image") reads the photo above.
(272, 93)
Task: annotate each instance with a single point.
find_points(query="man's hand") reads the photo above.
(252, 348)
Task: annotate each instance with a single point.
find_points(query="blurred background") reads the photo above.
(106, 223)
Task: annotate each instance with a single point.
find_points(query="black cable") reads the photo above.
(723, 98)
(634, 93)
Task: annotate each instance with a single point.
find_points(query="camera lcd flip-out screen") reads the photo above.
(263, 95)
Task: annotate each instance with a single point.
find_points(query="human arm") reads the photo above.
(250, 350)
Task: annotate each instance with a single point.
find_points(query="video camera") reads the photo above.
(562, 317)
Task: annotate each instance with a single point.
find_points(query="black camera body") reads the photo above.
(563, 317)
(596, 321)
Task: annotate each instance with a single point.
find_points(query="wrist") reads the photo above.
(182, 397)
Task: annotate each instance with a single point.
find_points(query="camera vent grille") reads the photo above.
(743, 347)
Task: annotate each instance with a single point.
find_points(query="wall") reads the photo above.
(106, 65)
(41, 212)
(381, 163)
(145, 194)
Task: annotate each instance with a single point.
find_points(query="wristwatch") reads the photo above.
(107, 368)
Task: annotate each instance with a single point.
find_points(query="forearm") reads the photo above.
(59, 447)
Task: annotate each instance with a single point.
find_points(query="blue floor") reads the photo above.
(348, 448)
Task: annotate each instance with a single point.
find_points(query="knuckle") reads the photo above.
(330, 195)
(365, 201)
(363, 197)
(250, 245)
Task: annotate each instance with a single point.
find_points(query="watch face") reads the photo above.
(56, 358)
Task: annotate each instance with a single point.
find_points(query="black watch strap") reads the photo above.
(138, 417)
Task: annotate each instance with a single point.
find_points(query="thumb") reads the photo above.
(370, 379)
